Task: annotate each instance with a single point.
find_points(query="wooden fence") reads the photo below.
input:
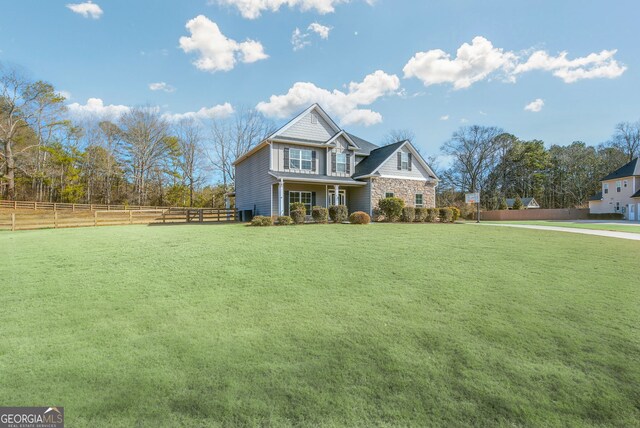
(536, 214)
(86, 218)
(58, 206)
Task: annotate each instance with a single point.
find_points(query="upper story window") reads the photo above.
(419, 203)
(300, 159)
(404, 161)
(605, 188)
(341, 162)
(618, 186)
(625, 183)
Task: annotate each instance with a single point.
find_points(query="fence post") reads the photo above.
(130, 217)
(163, 216)
(91, 207)
(201, 216)
(55, 219)
(73, 207)
(13, 222)
(35, 206)
(95, 218)
(15, 205)
(55, 206)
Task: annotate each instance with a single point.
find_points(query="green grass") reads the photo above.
(336, 325)
(575, 225)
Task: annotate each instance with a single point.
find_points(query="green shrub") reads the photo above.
(517, 204)
(338, 213)
(432, 215)
(421, 215)
(260, 220)
(391, 208)
(606, 216)
(408, 214)
(446, 215)
(298, 212)
(455, 211)
(503, 204)
(359, 217)
(320, 214)
(284, 220)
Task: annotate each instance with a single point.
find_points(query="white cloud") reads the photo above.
(216, 51)
(592, 66)
(299, 39)
(319, 29)
(445, 117)
(65, 94)
(473, 62)
(535, 106)
(219, 111)
(343, 105)
(95, 108)
(161, 86)
(86, 9)
(480, 60)
(252, 9)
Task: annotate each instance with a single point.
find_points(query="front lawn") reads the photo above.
(321, 325)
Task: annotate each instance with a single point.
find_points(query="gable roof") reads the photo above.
(636, 195)
(364, 147)
(346, 136)
(379, 156)
(627, 170)
(295, 120)
(525, 202)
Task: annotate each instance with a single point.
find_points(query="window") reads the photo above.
(618, 186)
(418, 200)
(341, 162)
(404, 161)
(300, 159)
(617, 206)
(605, 188)
(624, 183)
(304, 197)
(388, 195)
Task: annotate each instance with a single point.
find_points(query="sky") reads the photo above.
(558, 71)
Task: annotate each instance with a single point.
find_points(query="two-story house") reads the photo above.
(313, 161)
(620, 192)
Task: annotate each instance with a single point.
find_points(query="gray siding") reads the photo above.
(253, 183)
(358, 198)
(277, 158)
(341, 147)
(390, 168)
(320, 131)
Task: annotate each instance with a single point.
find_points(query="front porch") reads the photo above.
(284, 193)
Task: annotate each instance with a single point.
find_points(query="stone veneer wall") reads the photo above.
(403, 189)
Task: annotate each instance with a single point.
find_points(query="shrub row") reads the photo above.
(606, 216)
(298, 211)
(393, 209)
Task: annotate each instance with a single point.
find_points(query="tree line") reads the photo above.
(142, 157)
(146, 158)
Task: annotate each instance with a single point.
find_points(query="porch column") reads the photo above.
(281, 197)
(336, 194)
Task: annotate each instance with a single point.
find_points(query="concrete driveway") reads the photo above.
(605, 233)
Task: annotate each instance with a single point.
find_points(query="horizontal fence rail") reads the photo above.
(112, 217)
(62, 206)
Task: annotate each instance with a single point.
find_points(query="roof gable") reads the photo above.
(380, 156)
(312, 124)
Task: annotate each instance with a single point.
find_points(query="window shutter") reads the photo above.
(286, 158)
(313, 199)
(333, 161)
(409, 157)
(348, 163)
(286, 202)
(313, 161)
(399, 160)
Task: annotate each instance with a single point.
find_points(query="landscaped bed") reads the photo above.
(334, 325)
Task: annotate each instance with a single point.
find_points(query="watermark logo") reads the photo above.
(31, 417)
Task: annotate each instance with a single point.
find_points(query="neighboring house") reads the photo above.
(311, 160)
(620, 192)
(527, 203)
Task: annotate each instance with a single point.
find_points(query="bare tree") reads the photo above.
(473, 150)
(397, 135)
(627, 138)
(231, 138)
(144, 135)
(191, 153)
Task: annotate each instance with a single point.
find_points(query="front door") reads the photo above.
(342, 198)
(632, 212)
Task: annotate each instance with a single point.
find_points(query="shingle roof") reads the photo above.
(365, 146)
(315, 178)
(624, 171)
(596, 197)
(525, 201)
(375, 159)
(636, 195)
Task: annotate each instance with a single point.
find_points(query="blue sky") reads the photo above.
(114, 50)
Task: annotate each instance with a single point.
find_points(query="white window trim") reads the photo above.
(404, 161)
(618, 186)
(343, 163)
(299, 193)
(605, 188)
(415, 200)
(300, 159)
(393, 195)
